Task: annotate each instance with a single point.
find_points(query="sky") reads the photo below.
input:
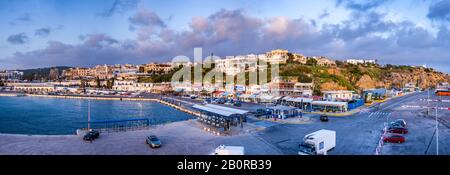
(45, 33)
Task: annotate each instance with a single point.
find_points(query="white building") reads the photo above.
(337, 95)
(32, 87)
(134, 86)
(360, 61)
(233, 65)
(305, 89)
(11, 75)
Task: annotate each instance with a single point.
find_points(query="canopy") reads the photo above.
(329, 103)
(213, 110)
(299, 100)
(245, 96)
(223, 108)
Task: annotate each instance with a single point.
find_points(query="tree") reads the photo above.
(83, 83)
(2, 84)
(340, 63)
(302, 78)
(290, 58)
(97, 81)
(311, 62)
(141, 69)
(110, 84)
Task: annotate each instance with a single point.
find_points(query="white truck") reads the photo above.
(318, 143)
(229, 150)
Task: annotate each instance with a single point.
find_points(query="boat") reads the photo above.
(443, 90)
(21, 95)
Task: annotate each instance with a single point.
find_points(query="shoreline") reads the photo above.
(179, 108)
(70, 135)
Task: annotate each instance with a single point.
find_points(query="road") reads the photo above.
(359, 133)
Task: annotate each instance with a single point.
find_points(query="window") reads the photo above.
(321, 145)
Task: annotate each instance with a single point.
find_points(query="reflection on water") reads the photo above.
(33, 115)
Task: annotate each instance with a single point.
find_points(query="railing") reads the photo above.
(120, 125)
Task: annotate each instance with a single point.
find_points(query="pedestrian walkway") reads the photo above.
(375, 115)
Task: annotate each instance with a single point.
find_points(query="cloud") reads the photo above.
(439, 11)
(21, 19)
(42, 32)
(99, 41)
(18, 39)
(324, 14)
(360, 5)
(146, 18)
(234, 32)
(121, 6)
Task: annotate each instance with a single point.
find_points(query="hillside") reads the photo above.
(359, 77)
(41, 73)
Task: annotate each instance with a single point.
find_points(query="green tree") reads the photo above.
(311, 62)
(110, 83)
(304, 78)
(97, 81)
(290, 58)
(141, 69)
(2, 84)
(340, 63)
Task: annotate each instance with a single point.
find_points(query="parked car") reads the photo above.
(324, 118)
(260, 112)
(237, 103)
(399, 122)
(220, 101)
(394, 138)
(91, 135)
(398, 130)
(153, 141)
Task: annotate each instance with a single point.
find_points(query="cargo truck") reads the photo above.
(318, 143)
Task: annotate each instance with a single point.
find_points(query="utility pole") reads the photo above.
(428, 102)
(437, 133)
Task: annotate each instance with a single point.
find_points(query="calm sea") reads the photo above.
(52, 116)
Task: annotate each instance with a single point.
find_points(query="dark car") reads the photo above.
(237, 103)
(261, 112)
(398, 130)
(394, 138)
(91, 135)
(153, 141)
(324, 118)
(220, 101)
(399, 122)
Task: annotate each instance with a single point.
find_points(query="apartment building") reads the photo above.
(11, 75)
(361, 61)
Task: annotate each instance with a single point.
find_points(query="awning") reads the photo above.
(266, 97)
(217, 92)
(245, 96)
(299, 100)
(282, 108)
(329, 103)
(223, 108)
(277, 97)
(253, 96)
(213, 110)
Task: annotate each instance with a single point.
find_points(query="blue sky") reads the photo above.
(42, 33)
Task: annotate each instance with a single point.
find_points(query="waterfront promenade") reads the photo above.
(179, 138)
